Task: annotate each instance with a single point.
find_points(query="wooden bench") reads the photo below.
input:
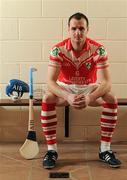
(25, 102)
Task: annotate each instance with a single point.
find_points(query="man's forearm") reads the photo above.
(57, 90)
(104, 88)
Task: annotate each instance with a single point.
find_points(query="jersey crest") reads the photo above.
(101, 51)
(55, 51)
(88, 65)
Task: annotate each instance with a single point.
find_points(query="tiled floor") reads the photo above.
(79, 159)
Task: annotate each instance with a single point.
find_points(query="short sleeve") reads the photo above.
(101, 58)
(55, 57)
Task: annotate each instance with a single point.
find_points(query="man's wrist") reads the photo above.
(92, 97)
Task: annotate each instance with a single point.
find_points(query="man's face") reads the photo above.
(78, 30)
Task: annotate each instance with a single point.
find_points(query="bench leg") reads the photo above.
(66, 121)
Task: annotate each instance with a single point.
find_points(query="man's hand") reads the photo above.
(71, 99)
(78, 101)
(82, 101)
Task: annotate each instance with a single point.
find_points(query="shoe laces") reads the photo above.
(109, 155)
(50, 155)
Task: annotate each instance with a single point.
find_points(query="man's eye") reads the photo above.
(81, 29)
(73, 28)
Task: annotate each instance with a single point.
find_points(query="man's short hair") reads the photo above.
(78, 16)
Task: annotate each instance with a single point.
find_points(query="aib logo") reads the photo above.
(17, 88)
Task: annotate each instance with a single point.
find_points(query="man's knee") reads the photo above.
(49, 98)
(110, 98)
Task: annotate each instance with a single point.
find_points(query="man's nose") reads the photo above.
(78, 31)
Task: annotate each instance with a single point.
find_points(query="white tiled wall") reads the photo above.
(28, 29)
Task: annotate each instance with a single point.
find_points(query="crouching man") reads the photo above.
(78, 76)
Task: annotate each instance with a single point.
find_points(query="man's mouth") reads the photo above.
(78, 38)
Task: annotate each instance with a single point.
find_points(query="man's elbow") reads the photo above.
(108, 86)
(50, 83)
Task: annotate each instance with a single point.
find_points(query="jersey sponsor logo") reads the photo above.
(88, 65)
(101, 51)
(79, 80)
(55, 51)
(66, 64)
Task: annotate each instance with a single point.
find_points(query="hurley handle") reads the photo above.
(31, 83)
(31, 111)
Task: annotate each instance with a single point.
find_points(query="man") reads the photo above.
(78, 76)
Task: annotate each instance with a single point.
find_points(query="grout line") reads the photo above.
(42, 12)
(77, 169)
(89, 172)
(88, 167)
(14, 159)
(30, 173)
(85, 155)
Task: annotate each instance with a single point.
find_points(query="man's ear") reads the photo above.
(68, 30)
(87, 29)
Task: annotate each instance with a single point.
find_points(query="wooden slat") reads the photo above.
(122, 101)
(25, 102)
(22, 102)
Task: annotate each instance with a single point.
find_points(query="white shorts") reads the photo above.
(75, 88)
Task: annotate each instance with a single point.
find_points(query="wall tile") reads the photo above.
(27, 8)
(98, 28)
(40, 29)
(107, 8)
(93, 133)
(120, 90)
(14, 134)
(122, 117)
(118, 72)
(8, 116)
(2, 91)
(8, 29)
(117, 51)
(1, 134)
(117, 29)
(80, 117)
(77, 133)
(120, 134)
(64, 8)
(19, 51)
(65, 28)
(9, 71)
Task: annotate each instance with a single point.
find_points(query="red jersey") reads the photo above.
(78, 68)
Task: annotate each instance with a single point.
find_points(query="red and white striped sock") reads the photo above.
(108, 124)
(49, 123)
